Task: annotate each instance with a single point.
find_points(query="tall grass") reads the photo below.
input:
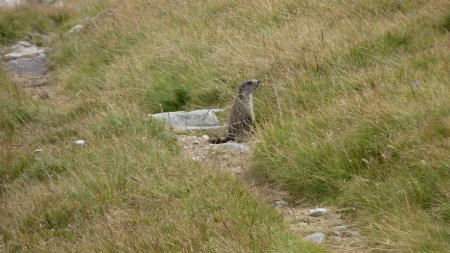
(128, 188)
(354, 112)
(369, 127)
(18, 23)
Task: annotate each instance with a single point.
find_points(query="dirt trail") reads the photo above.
(340, 236)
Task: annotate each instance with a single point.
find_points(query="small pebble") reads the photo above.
(316, 212)
(79, 142)
(280, 203)
(318, 237)
(39, 150)
(196, 158)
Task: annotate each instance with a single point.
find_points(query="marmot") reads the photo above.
(241, 115)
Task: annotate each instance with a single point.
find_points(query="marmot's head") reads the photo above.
(246, 88)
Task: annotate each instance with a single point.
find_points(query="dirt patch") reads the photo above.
(340, 235)
(38, 87)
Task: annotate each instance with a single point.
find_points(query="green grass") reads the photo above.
(16, 23)
(14, 110)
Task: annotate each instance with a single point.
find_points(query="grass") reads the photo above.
(375, 137)
(128, 188)
(18, 23)
(128, 183)
(354, 113)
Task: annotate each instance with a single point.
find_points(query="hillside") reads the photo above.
(354, 114)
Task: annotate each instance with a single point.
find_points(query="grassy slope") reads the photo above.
(368, 125)
(341, 118)
(128, 188)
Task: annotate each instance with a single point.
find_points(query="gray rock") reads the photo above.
(10, 2)
(316, 212)
(194, 120)
(28, 66)
(233, 146)
(280, 203)
(318, 237)
(23, 49)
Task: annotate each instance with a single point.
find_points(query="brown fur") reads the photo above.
(241, 115)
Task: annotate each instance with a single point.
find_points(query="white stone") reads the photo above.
(318, 237)
(21, 50)
(280, 203)
(79, 142)
(316, 212)
(204, 119)
(196, 158)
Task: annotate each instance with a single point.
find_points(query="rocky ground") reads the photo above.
(27, 65)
